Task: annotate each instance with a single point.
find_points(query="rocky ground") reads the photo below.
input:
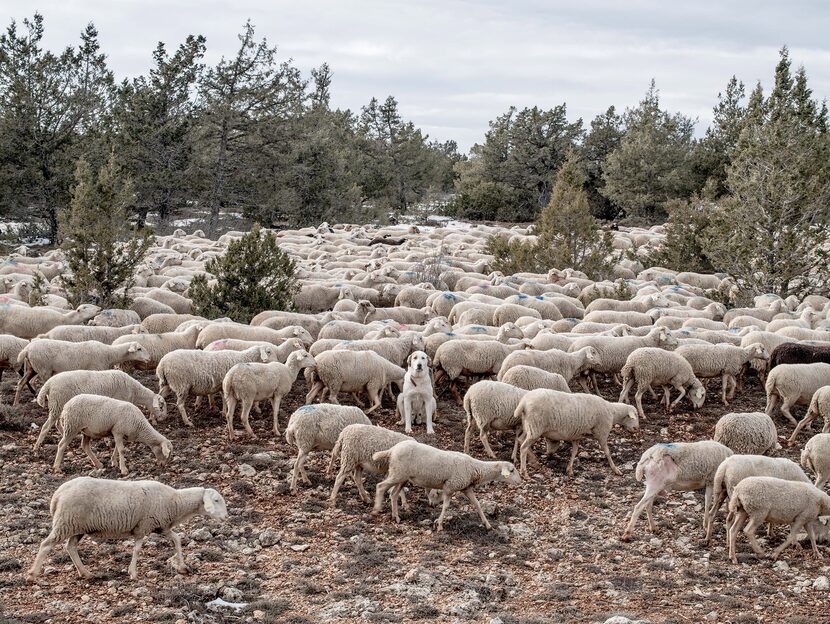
(554, 555)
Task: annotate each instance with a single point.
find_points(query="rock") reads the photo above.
(246, 470)
(655, 542)
(621, 619)
(300, 547)
(821, 583)
(781, 565)
(521, 530)
(231, 594)
(259, 615)
(269, 537)
(496, 620)
(201, 534)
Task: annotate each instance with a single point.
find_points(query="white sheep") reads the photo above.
(103, 508)
(44, 358)
(317, 427)
(819, 406)
(652, 366)
(217, 331)
(435, 469)
(683, 466)
(56, 392)
(396, 350)
(10, 348)
(748, 433)
(115, 317)
(159, 345)
(85, 333)
(722, 360)
(756, 500)
(191, 371)
(232, 344)
(794, 384)
(161, 323)
(491, 406)
(569, 365)
(531, 378)
(95, 417)
(470, 357)
(737, 467)
(355, 448)
(816, 456)
(25, 322)
(565, 417)
(251, 382)
(353, 371)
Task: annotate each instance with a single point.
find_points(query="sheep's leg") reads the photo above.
(86, 445)
(275, 408)
(707, 503)
(710, 517)
(468, 435)
(122, 462)
(821, 479)
(230, 411)
(338, 482)
(574, 450)
(807, 420)
(296, 472)
(552, 446)
(180, 404)
(333, 391)
(315, 390)
(28, 375)
(357, 477)
(644, 505)
(211, 403)
(638, 400)
(72, 549)
(245, 416)
(626, 389)
(380, 492)
(51, 421)
(732, 534)
(749, 531)
(485, 442)
(177, 559)
(682, 391)
(584, 383)
(604, 445)
(811, 533)
(446, 497)
(133, 569)
(471, 496)
(44, 550)
(516, 442)
(357, 400)
(374, 398)
(393, 501)
(791, 538)
(785, 409)
(454, 391)
(402, 496)
(724, 383)
(527, 442)
(56, 467)
(772, 401)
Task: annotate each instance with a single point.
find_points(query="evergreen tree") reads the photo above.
(155, 118)
(52, 108)
(102, 249)
(604, 137)
(651, 165)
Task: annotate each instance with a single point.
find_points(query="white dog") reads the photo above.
(417, 396)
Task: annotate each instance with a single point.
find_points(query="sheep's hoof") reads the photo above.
(626, 537)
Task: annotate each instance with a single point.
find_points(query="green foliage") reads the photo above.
(39, 290)
(602, 140)
(686, 231)
(253, 275)
(567, 235)
(651, 165)
(102, 249)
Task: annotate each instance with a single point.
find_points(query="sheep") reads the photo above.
(317, 427)
(278, 320)
(651, 366)
(85, 333)
(103, 508)
(511, 312)
(352, 371)
(614, 351)
(167, 322)
(802, 333)
(816, 456)
(721, 360)
(94, 417)
(251, 382)
(683, 466)
(507, 334)
(491, 406)
(568, 365)
(232, 344)
(10, 348)
(401, 315)
(638, 304)
(770, 341)
(145, 307)
(27, 323)
(190, 371)
(159, 345)
(217, 331)
(795, 353)
(531, 377)
(748, 433)
(470, 357)
(396, 350)
(43, 358)
(564, 417)
(180, 304)
(819, 406)
(756, 500)
(355, 447)
(115, 317)
(436, 469)
(794, 384)
(56, 392)
(633, 319)
(737, 467)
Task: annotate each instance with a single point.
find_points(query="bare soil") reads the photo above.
(554, 554)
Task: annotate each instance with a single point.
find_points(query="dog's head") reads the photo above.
(418, 362)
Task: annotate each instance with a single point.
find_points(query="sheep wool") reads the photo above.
(748, 433)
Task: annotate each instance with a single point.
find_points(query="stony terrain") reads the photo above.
(554, 555)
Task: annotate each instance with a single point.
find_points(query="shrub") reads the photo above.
(102, 248)
(254, 275)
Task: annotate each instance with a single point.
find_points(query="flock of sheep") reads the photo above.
(372, 303)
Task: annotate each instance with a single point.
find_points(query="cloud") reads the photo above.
(453, 65)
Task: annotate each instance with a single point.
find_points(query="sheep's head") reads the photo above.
(697, 394)
(268, 354)
(418, 343)
(159, 407)
(303, 359)
(302, 334)
(87, 311)
(214, 504)
(163, 451)
(591, 356)
(137, 353)
(627, 418)
(758, 351)
(509, 474)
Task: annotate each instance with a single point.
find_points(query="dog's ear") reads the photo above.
(409, 359)
(429, 361)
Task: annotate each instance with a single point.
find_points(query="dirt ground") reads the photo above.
(554, 554)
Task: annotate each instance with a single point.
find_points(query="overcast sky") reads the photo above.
(453, 65)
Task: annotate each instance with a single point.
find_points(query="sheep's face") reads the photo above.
(697, 395)
(509, 474)
(440, 324)
(630, 422)
(304, 359)
(214, 504)
(303, 335)
(418, 343)
(592, 356)
(159, 407)
(268, 354)
(138, 353)
(163, 451)
(759, 352)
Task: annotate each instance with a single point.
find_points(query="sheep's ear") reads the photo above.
(263, 354)
(132, 348)
(210, 507)
(296, 331)
(505, 471)
(166, 450)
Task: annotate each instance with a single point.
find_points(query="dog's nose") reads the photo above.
(419, 367)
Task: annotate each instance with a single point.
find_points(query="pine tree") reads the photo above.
(604, 137)
(102, 249)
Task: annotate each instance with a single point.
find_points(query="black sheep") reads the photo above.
(797, 353)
